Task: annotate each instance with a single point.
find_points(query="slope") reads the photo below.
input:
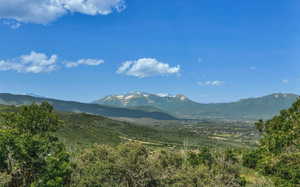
(70, 106)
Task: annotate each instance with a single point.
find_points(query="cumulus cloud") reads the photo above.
(211, 83)
(31, 63)
(41, 63)
(147, 67)
(46, 11)
(88, 62)
(12, 24)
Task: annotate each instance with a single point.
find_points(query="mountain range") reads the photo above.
(165, 106)
(182, 107)
(77, 107)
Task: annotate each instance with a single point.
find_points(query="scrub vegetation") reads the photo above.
(42, 147)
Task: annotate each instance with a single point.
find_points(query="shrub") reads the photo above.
(250, 159)
(126, 165)
(230, 156)
(203, 157)
(134, 165)
(30, 155)
(278, 154)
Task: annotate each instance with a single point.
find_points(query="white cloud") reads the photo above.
(147, 67)
(46, 11)
(12, 24)
(31, 63)
(211, 83)
(41, 63)
(93, 7)
(89, 62)
(285, 81)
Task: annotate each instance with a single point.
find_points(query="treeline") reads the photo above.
(30, 155)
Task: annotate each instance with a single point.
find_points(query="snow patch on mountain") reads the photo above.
(141, 98)
(164, 95)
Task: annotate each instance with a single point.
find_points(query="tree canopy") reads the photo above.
(278, 154)
(30, 155)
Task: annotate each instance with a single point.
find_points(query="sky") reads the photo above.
(208, 50)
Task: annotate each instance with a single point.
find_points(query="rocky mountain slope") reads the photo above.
(70, 106)
(246, 109)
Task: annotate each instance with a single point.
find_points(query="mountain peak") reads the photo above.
(181, 97)
(138, 98)
(135, 94)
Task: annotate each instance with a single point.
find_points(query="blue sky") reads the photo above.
(208, 50)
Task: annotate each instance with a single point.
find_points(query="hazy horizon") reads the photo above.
(90, 101)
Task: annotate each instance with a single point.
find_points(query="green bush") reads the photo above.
(133, 164)
(230, 156)
(126, 165)
(250, 159)
(30, 154)
(203, 157)
(278, 154)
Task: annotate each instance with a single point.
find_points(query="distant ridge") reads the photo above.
(71, 106)
(181, 106)
(34, 95)
(165, 106)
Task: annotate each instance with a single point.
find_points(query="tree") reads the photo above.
(29, 152)
(278, 154)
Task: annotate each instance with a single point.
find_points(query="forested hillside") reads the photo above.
(32, 155)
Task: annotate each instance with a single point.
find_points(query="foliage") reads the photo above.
(251, 158)
(29, 154)
(204, 157)
(278, 154)
(230, 156)
(133, 164)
